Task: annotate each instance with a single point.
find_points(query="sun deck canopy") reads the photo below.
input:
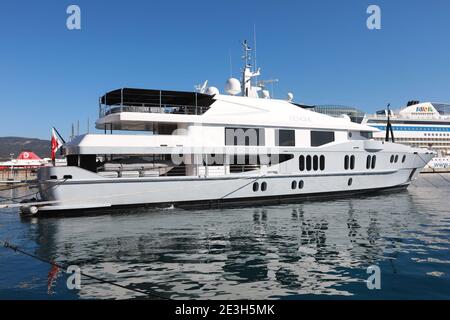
(149, 97)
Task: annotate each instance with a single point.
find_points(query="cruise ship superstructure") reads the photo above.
(207, 148)
(425, 125)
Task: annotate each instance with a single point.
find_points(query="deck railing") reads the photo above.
(154, 108)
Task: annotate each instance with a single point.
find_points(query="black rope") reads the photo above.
(16, 249)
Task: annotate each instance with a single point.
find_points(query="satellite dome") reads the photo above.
(290, 96)
(233, 86)
(212, 91)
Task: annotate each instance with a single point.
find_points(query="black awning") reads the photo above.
(129, 97)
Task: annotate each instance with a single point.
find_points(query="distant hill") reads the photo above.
(16, 145)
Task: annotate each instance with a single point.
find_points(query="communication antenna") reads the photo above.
(254, 51)
(231, 64)
(263, 83)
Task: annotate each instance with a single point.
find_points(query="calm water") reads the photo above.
(298, 251)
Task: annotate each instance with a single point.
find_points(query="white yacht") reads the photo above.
(418, 124)
(206, 148)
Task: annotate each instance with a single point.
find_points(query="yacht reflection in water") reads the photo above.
(293, 250)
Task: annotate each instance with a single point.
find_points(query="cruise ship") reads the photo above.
(425, 125)
(206, 148)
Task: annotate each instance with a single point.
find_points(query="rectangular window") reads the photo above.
(285, 138)
(319, 138)
(366, 134)
(244, 137)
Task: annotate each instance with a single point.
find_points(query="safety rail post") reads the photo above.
(160, 101)
(196, 106)
(121, 100)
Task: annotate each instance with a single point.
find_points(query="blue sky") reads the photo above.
(320, 50)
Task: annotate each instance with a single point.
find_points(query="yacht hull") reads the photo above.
(86, 191)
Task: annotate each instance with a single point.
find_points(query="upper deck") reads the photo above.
(154, 101)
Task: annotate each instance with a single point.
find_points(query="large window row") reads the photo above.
(309, 163)
(395, 158)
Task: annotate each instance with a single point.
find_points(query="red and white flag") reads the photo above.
(56, 144)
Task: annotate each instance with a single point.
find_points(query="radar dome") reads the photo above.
(212, 91)
(233, 86)
(290, 96)
(346, 117)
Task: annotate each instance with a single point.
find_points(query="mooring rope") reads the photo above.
(15, 248)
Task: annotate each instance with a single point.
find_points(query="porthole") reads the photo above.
(301, 163)
(316, 163)
(322, 163)
(392, 159)
(308, 163)
(352, 162)
(255, 186)
(53, 177)
(264, 186)
(374, 162)
(368, 162)
(396, 158)
(300, 184)
(294, 185)
(404, 159)
(350, 182)
(350, 134)
(346, 163)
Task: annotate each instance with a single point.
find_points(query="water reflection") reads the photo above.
(315, 248)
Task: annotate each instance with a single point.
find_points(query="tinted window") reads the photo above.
(316, 163)
(352, 162)
(322, 163)
(374, 162)
(365, 134)
(368, 163)
(319, 138)
(308, 163)
(301, 163)
(285, 138)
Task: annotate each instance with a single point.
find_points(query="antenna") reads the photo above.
(246, 55)
(231, 64)
(254, 51)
